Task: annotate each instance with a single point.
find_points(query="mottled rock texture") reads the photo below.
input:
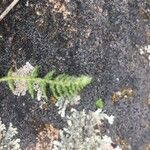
(101, 38)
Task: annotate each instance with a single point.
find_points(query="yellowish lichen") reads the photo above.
(60, 7)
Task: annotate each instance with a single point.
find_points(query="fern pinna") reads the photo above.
(62, 85)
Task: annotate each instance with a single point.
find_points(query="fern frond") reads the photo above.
(62, 85)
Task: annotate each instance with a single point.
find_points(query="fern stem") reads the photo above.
(22, 79)
(36, 80)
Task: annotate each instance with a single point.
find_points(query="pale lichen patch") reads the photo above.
(21, 87)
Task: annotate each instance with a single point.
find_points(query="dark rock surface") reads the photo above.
(100, 38)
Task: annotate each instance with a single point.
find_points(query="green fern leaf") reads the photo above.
(61, 77)
(35, 71)
(53, 89)
(73, 89)
(30, 87)
(9, 74)
(42, 86)
(49, 75)
(11, 85)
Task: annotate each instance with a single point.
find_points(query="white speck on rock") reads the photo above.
(145, 50)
